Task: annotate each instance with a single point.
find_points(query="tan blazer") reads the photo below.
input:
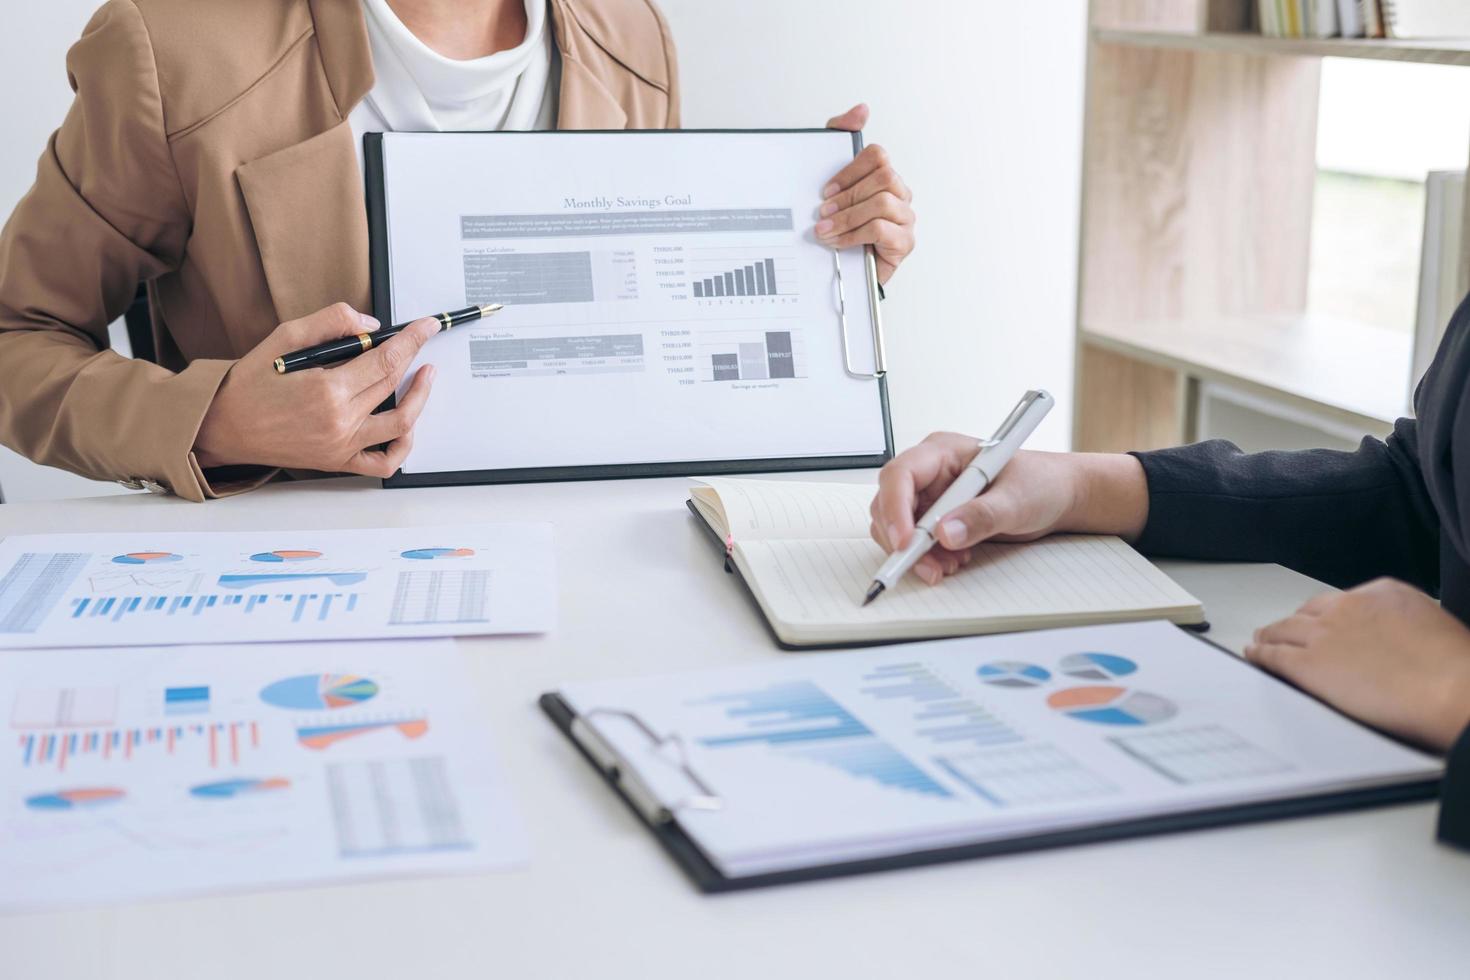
(207, 153)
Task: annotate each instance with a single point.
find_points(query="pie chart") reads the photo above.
(1112, 706)
(285, 555)
(231, 788)
(1097, 666)
(429, 554)
(146, 558)
(1013, 673)
(315, 692)
(74, 799)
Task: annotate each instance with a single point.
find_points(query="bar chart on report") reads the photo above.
(745, 354)
(218, 743)
(293, 606)
(747, 271)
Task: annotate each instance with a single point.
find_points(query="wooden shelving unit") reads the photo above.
(1198, 176)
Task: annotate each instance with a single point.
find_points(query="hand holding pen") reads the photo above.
(1036, 494)
(956, 480)
(325, 421)
(269, 414)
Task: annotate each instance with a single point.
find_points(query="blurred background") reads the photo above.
(984, 108)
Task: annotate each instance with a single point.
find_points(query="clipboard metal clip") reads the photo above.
(880, 354)
(669, 748)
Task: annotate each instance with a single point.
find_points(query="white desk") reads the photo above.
(1365, 894)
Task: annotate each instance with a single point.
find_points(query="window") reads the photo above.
(1381, 127)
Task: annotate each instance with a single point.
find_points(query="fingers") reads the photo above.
(852, 120)
(1319, 604)
(899, 483)
(377, 373)
(859, 224)
(399, 421)
(870, 158)
(1278, 658)
(1298, 630)
(381, 463)
(337, 320)
(976, 520)
(939, 562)
(880, 180)
(882, 233)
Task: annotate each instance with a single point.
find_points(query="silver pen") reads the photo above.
(990, 458)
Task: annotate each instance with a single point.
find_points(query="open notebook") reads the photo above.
(804, 551)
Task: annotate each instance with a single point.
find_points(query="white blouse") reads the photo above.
(419, 90)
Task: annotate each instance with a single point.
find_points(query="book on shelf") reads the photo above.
(1441, 282)
(1300, 18)
(1372, 18)
(1404, 19)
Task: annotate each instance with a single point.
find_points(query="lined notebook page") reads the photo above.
(766, 509)
(821, 582)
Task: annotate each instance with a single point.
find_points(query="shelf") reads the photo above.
(1352, 372)
(1441, 51)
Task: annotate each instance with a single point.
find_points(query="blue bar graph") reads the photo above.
(185, 700)
(803, 712)
(297, 606)
(803, 720)
(872, 758)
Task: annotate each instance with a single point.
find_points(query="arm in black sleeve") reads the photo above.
(1342, 517)
(1454, 794)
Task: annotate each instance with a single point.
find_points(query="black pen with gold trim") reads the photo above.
(346, 348)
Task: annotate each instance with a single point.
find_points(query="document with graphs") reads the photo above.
(805, 551)
(798, 767)
(144, 773)
(165, 587)
(668, 307)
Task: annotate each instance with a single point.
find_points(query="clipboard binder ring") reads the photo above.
(880, 353)
(647, 802)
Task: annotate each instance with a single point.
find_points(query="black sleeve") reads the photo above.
(1341, 517)
(1454, 794)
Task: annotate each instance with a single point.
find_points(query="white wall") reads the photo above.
(979, 102)
(33, 43)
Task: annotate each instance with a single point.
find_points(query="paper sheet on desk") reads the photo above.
(144, 773)
(217, 587)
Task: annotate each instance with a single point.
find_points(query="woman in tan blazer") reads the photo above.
(210, 154)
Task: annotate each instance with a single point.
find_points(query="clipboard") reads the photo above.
(862, 353)
(662, 820)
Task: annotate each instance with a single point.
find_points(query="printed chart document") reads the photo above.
(150, 772)
(666, 300)
(819, 761)
(216, 587)
(805, 551)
